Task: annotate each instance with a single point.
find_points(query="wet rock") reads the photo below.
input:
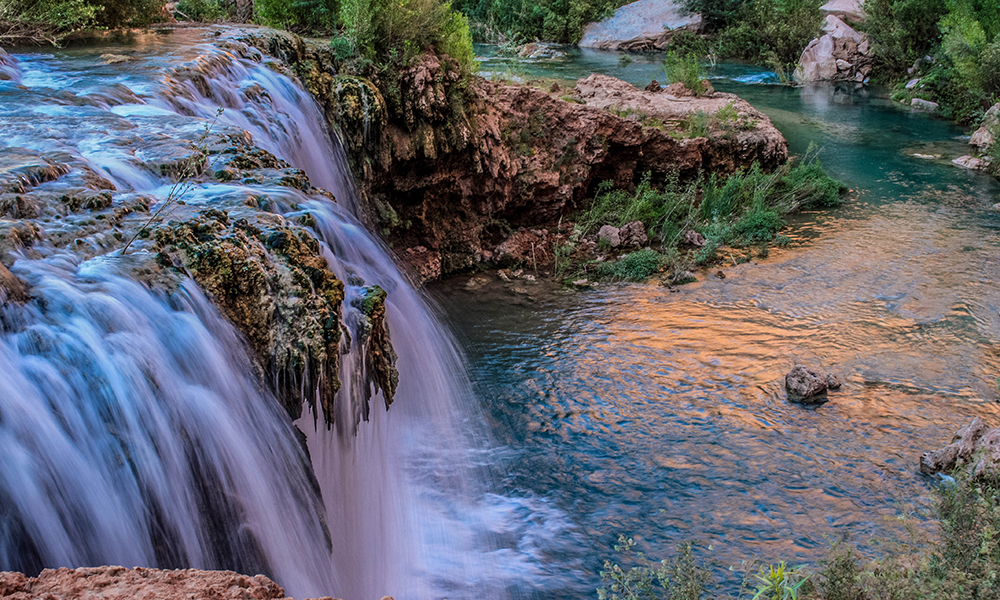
(423, 263)
(525, 247)
(609, 235)
(8, 68)
(633, 235)
(961, 449)
(640, 26)
(12, 289)
(22, 169)
(380, 358)
(924, 104)
(971, 162)
(983, 137)
(805, 385)
(833, 382)
(115, 59)
(693, 238)
(840, 54)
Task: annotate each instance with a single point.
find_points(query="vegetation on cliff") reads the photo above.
(52, 20)
(549, 20)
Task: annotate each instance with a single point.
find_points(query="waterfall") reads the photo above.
(133, 431)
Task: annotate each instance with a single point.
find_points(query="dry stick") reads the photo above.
(180, 188)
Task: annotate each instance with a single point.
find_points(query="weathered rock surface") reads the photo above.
(850, 11)
(643, 25)
(119, 583)
(924, 104)
(841, 54)
(807, 386)
(960, 451)
(633, 235)
(455, 170)
(608, 234)
(983, 137)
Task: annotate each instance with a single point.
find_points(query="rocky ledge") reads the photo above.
(450, 170)
(975, 447)
(119, 583)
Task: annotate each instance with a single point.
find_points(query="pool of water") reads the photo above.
(661, 413)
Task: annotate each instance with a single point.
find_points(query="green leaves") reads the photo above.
(780, 582)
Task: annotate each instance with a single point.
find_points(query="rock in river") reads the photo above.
(806, 386)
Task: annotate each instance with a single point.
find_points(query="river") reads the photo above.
(661, 414)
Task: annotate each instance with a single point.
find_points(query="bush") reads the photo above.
(393, 32)
(768, 30)
(715, 14)
(680, 578)
(637, 266)
(684, 69)
(902, 31)
(204, 11)
(549, 20)
(302, 16)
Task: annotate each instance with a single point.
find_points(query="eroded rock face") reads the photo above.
(119, 583)
(448, 171)
(643, 25)
(841, 54)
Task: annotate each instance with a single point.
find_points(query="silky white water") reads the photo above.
(133, 428)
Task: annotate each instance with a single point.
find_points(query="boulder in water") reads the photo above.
(541, 50)
(924, 104)
(12, 289)
(971, 162)
(644, 25)
(806, 386)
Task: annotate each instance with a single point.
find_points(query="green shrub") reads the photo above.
(769, 30)
(205, 11)
(549, 20)
(715, 14)
(902, 31)
(303, 16)
(684, 68)
(393, 32)
(636, 266)
(680, 578)
(760, 224)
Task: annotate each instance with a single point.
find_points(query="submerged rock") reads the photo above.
(541, 50)
(971, 162)
(643, 25)
(806, 386)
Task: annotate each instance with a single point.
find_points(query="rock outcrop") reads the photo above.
(963, 449)
(982, 139)
(119, 583)
(841, 54)
(8, 67)
(644, 25)
(449, 170)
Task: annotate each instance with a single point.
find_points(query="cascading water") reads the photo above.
(168, 454)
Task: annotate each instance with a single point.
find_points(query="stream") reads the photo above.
(661, 414)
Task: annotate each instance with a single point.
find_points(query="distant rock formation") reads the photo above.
(845, 10)
(644, 25)
(841, 54)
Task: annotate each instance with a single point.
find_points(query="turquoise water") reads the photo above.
(660, 414)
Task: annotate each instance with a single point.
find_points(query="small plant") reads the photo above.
(779, 582)
(636, 266)
(684, 68)
(624, 60)
(680, 578)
